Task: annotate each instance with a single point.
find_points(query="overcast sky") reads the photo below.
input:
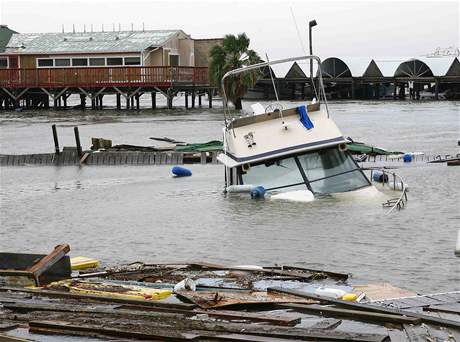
(345, 28)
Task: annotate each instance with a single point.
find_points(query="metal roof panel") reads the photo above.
(89, 42)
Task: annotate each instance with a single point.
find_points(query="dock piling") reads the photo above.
(210, 98)
(118, 101)
(55, 138)
(154, 99)
(77, 142)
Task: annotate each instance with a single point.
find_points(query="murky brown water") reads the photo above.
(124, 214)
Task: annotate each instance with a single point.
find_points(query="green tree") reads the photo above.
(232, 54)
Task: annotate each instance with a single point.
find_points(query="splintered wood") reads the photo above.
(212, 299)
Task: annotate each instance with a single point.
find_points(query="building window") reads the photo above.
(3, 63)
(79, 61)
(173, 60)
(115, 61)
(43, 63)
(61, 62)
(132, 61)
(97, 61)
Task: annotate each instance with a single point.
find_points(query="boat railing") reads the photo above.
(320, 93)
(396, 184)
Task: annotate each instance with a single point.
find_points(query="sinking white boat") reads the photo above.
(293, 153)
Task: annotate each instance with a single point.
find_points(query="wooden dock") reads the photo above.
(71, 158)
(36, 88)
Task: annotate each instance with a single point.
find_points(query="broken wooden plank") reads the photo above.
(397, 335)
(448, 308)
(68, 308)
(88, 330)
(368, 307)
(88, 297)
(350, 314)
(301, 275)
(7, 338)
(8, 326)
(224, 314)
(327, 324)
(214, 299)
(335, 275)
(48, 261)
(202, 330)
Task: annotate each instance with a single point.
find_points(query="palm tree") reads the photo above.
(232, 54)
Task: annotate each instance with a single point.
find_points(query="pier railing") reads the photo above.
(154, 76)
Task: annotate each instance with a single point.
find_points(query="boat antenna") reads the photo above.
(274, 86)
(303, 47)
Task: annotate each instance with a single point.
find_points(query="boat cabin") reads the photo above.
(277, 151)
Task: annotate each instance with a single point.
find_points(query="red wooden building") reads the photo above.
(35, 68)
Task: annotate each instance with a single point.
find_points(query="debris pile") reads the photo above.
(211, 302)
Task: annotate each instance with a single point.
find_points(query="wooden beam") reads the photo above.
(369, 307)
(356, 315)
(88, 297)
(81, 329)
(48, 261)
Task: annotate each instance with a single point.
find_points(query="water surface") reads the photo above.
(128, 213)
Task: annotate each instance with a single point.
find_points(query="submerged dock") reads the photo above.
(72, 158)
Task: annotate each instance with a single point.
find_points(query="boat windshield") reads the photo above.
(325, 171)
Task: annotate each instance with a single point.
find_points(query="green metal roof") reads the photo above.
(5, 35)
(89, 42)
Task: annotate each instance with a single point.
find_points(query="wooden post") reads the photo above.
(137, 101)
(93, 103)
(436, 90)
(127, 101)
(82, 101)
(186, 100)
(199, 100)
(64, 97)
(77, 142)
(170, 98)
(55, 138)
(118, 101)
(154, 99)
(193, 98)
(100, 101)
(132, 101)
(210, 98)
(395, 90)
(55, 103)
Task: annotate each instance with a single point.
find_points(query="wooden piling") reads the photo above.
(118, 101)
(199, 100)
(77, 142)
(55, 138)
(154, 99)
(170, 98)
(193, 98)
(186, 100)
(137, 102)
(436, 90)
(210, 98)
